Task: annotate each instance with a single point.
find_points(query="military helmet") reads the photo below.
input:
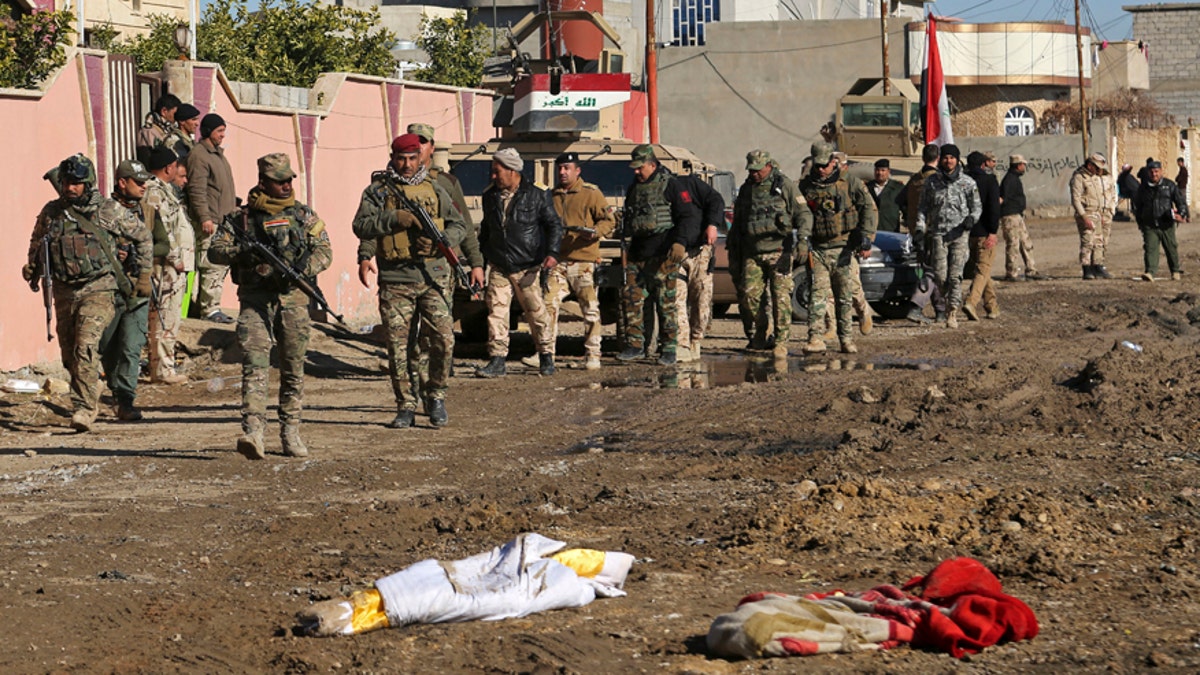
(77, 169)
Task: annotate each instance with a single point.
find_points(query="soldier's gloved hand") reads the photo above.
(406, 221)
(143, 288)
(423, 247)
(27, 273)
(677, 253)
(865, 245)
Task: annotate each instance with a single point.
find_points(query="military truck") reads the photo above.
(605, 163)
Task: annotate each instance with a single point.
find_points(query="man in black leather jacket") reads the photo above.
(520, 237)
(1158, 207)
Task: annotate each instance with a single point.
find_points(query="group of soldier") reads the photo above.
(119, 266)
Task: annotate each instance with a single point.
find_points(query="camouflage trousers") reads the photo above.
(578, 278)
(165, 321)
(1018, 247)
(526, 285)
(652, 278)
(283, 319)
(858, 298)
(768, 277)
(982, 287)
(80, 321)
(405, 308)
(1093, 242)
(831, 275)
(121, 348)
(948, 253)
(693, 296)
(210, 277)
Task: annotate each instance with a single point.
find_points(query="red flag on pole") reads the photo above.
(935, 107)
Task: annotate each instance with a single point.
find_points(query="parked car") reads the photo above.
(889, 278)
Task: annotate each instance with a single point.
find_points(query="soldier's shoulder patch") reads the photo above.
(273, 223)
(316, 227)
(591, 186)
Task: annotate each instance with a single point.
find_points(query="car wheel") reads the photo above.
(720, 309)
(892, 309)
(800, 295)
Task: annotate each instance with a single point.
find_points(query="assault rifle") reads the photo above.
(429, 229)
(47, 284)
(264, 253)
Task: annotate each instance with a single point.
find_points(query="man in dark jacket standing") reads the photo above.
(211, 197)
(520, 238)
(983, 237)
(661, 220)
(1159, 206)
(1017, 246)
(885, 190)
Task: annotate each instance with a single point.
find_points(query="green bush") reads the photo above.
(32, 47)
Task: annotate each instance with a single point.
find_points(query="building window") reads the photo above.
(1018, 122)
(688, 18)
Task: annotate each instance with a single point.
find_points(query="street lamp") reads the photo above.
(183, 40)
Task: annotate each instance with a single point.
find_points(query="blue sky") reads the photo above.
(1106, 18)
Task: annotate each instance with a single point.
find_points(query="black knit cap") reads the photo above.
(210, 123)
(160, 158)
(951, 149)
(185, 112)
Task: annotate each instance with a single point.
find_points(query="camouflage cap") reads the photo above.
(822, 153)
(276, 166)
(1098, 159)
(757, 159)
(1014, 160)
(642, 154)
(423, 130)
(131, 168)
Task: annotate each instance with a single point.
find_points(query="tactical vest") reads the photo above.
(647, 211)
(76, 255)
(285, 235)
(768, 210)
(834, 215)
(399, 245)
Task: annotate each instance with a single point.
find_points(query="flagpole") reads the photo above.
(651, 71)
(1083, 121)
(883, 12)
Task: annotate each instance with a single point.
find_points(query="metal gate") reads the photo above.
(124, 113)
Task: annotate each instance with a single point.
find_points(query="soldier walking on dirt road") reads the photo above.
(768, 216)
(416, 282)
(842, 226)
(661, 218)
(273, 308)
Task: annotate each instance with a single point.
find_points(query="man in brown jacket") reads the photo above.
(586, 220)
(211, 197)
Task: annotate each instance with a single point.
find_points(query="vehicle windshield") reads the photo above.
(872, 115)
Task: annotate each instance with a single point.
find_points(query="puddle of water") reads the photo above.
(731, 370)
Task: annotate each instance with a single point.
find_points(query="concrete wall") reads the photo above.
(979, 110)
(1169, 31)
(334, 148)
(767, 85)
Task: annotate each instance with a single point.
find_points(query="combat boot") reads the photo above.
(593, 362)
(251, 442)
(781, 350)
(1100, 272)
(437, 413)
(667, 358)
(1089, 272)
(970, 311)
(952, 318)
(631, 354)
(915, 315)
(293, 445)
(128, 412)
(403, 419)
(848, 346)
(866, 322)
(830, 324)
(684, 354)
(695, 350)
(939, 317)
(83, 420)
(533, 360)
(494, 368)
(546, 365)
(815, 345)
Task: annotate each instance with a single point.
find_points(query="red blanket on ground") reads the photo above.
(961, 609)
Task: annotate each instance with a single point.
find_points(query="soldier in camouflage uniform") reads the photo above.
(1094, 201)
(121, 346)
(661, 218)
(87, 279)
(171, 264)
(158, 127)
(767, 217)
(950, 205)
(842, 226)
(415, 281)
(272, 308)
(182, 139)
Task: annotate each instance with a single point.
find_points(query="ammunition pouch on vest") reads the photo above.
(399, 245)
(647, 211)
(77, 257)
(284, 234)
(769, 213)
(833, 214)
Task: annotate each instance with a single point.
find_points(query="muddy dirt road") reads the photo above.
(1066, 463)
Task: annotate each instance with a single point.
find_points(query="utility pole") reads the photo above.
(651, 72)
(1083, 120)
(884, 6)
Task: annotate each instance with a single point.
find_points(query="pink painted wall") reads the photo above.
(37, 134)
(333, 151)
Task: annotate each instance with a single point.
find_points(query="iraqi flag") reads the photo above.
(935, 107)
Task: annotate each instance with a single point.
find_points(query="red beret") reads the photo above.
(407, 143)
